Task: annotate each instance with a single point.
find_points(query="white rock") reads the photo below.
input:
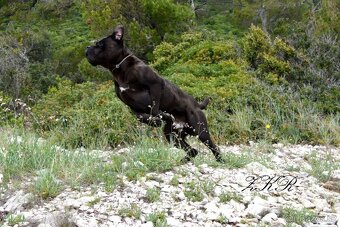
(269, 218)
(180, 196)
(281, 221)
(258, 200)
(151, 184)
(337, 207)
(167, 189)
(218, 191)
(238, 207)
(306, 203)
(336, 175)
(258, 207)
(173, 222)
(55, 219)
(213, 215)
(258, 169)
(85, 222)
(147, 224)
(72, 203)
(256, 210)
(17, 201)
(226, 210)
(320, 204)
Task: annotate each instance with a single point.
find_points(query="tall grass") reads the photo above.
(273, 115)
(24, 156)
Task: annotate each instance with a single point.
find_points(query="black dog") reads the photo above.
(153, 99)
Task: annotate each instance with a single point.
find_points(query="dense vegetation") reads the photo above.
(271, 67)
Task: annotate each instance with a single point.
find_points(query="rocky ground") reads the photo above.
(196, 195)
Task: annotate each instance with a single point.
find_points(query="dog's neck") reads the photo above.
(122, 61)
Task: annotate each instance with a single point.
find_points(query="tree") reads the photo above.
(13, 66)
(148, 22)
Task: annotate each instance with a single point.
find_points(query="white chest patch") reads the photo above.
(123, 88)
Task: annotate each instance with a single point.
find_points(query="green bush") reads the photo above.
(147, 22)
(275, 62)
(84, 115)
(249, 105)
(6, 115)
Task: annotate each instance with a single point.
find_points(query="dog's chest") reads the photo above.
(125, 88)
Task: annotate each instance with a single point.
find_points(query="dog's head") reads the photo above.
(107, 51)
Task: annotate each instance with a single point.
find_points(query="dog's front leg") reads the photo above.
(155, 93)
(156, 90)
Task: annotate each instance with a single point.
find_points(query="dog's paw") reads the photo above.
(185, 160)
(220, 160)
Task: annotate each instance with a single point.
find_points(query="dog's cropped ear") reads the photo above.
(118, 33)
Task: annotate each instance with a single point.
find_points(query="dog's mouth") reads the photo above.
(92, 62)
(89, 57)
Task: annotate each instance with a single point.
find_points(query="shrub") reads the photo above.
(243, 101)
(6, 115)
(84, 115)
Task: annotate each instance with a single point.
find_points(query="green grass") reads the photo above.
(231, 160)
(93, 202)
(148, 155)
(131, 211)
(208, 186)
(158, 219)
(297, 216)
(23, 155)
(193, 191)
(322, 167)
(47, 186)
(174, 181)
(153, 194)
(292, 168)
(14, 220)
(226, 197)
(222, 219)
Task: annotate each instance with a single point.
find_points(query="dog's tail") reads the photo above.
(204, 103)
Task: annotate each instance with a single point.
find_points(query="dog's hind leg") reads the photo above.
(199, 124)
(179, 141)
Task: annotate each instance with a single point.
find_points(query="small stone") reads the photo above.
(82, 222)
(72, 203)
(212, 215)
(55, 219)
(327, 218)
(269, 218)
(259, 169)
(258, 207)
(226, 210)
(306, 203)
(147, 224)
(238, 207)
(256, 210)
(173, 222)
(180, 196)
(337, 208)
(320, 204)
